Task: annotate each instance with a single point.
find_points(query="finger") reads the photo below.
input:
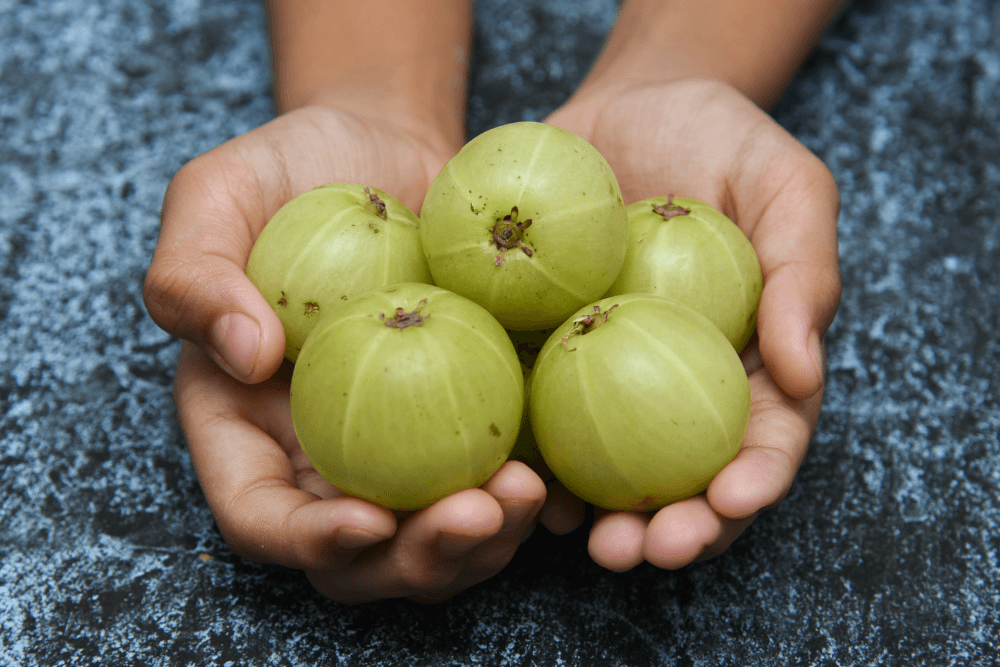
(250, 483)
(788, 203)
(520, 494)
(196, 287)
(773, 449)
(563, 512)
(428, 553)
(269, 408)
(688, 530)
(616, 539)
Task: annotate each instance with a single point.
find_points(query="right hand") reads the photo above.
(217, 204)
(232, 389)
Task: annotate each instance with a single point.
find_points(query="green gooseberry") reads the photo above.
(407, 394)
(528, 221)
(686, 250)
(329, 244)
(638, 401)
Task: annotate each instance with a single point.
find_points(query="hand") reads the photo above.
(703, 139)
(232, 389)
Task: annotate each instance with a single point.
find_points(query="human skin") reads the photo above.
(388, 117)
(674, 104)
(391, 117)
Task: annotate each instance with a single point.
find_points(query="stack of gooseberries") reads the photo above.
(528, 312)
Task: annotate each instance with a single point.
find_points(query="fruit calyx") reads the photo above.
(403, 319)
(587, 323)
(375, 204)
(508, 233)
(670, 209)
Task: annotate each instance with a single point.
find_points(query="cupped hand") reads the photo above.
(272, 506)
(232, 387)
(217, 204)
(703, 139)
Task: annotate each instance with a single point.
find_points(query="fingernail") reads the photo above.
(235, 338)
(352, 539)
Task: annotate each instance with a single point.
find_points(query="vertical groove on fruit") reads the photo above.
(531, 164)
(583, 375)
(360, 375)
(514, 369)
(557, 282)
(434, 350)
(675, 360)
(327, 227)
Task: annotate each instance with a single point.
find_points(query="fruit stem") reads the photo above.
(670, 209)
(508, 233)
(375, 204)
(403, 319)
(587, 323)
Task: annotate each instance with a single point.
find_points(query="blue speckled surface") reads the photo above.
(886, 552)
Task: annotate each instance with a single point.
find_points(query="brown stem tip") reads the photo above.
(508, 233)
(587, 323)
(670, 209)
(375, 204)
(403, 319)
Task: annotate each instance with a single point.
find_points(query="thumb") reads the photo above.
(196, 287)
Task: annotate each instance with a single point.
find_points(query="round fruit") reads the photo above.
(407, 394)
(638, 401)
(527, 221)
(329, 244)
(688, 251)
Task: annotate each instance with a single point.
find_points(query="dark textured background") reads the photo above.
(886, 551)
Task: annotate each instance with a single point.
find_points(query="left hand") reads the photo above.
(703, 139)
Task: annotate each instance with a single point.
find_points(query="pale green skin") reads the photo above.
(702, 260)
(578, 234)
(405, 417)
(327, 245)
(642, 411)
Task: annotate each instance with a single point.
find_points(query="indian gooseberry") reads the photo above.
(407, 394)
(329, 244)
(686, 250)
(528, 221)
(638, 401)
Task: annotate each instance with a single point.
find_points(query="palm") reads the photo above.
(704, 140)
(313, 146)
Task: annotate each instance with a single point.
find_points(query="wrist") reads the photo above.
(408, 110)
(387, 59)
(753, 45)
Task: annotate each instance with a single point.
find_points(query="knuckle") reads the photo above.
(488, 563)
(426, 577)
(237, 542)
(306, 555)
(168, 289)
(335, 586)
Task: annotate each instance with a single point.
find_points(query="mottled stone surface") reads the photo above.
(886, 551)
